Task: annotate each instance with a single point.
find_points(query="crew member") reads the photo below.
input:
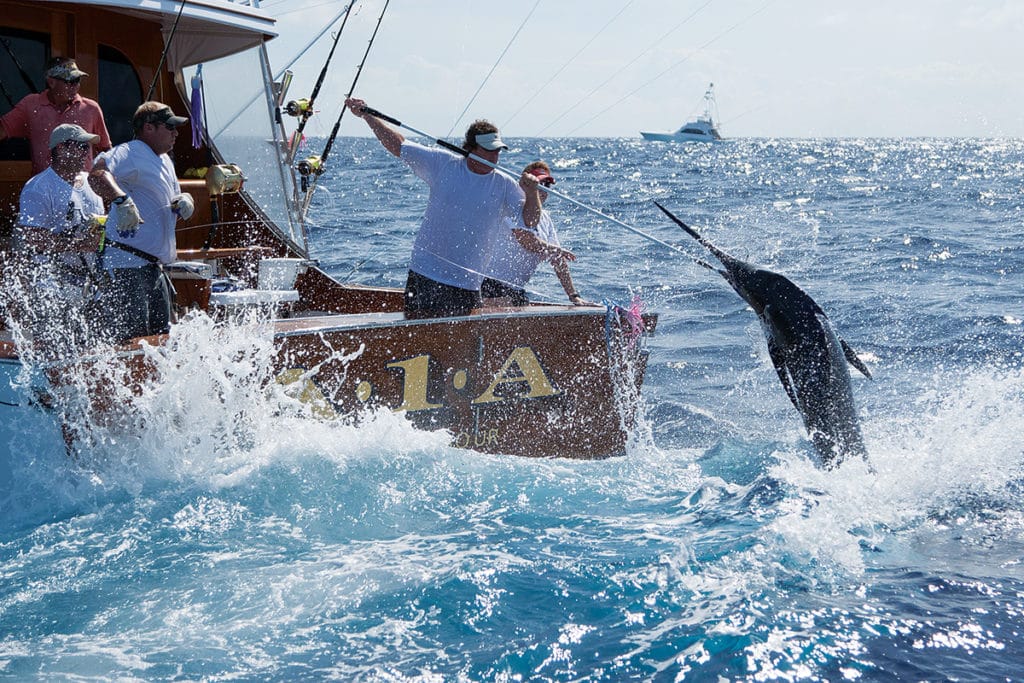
(463, 219)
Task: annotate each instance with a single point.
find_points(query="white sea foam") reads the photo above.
(954, 447)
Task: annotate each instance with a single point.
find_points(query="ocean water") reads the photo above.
(217, 537)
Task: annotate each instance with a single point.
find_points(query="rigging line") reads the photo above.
(673, 66)
(352, 88)
(566, 65)
(322, 164)
(327, 27)
(21, 70)
(163, 55)
(7, 95)
(488, 76)
(307, 7)
(749, 110)
(293, 146)
(626, 66)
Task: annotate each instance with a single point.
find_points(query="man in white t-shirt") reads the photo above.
(57, 240)
(464, 216)
(522, 248)
(138, 301)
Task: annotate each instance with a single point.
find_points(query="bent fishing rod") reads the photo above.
(515, 176)
(316, 165)
(303, 108)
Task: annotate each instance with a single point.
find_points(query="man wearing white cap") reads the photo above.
(464, 216)
(36, 115)
(59, 240)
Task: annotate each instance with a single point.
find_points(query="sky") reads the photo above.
(781, 68)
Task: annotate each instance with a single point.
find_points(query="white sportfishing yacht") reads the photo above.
(701, 130)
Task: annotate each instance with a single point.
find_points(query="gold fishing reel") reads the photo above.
(224, 179)
(300, 107)
(310, 166)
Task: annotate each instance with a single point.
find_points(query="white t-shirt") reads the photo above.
(51, 203)
(463, 219)
(513, 265)
(150, 180)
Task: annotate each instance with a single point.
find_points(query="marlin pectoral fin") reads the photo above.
(779, 361)
(783, 372)
(851, 357)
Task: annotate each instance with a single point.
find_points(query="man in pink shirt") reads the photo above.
(36, 115)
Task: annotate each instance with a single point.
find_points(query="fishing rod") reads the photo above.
(7, 94)
(163, 55)
(21, 70)
(303, 108)
(515, 176)
(282, 73)
(311, 168)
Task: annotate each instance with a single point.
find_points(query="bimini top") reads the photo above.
(207, 30)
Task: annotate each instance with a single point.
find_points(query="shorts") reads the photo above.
(496, 289)
(426, 298)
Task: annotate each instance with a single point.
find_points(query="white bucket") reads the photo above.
(278, 273)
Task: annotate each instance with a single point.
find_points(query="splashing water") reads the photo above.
(226, 535)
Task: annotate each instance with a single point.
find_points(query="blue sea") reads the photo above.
(222, 539)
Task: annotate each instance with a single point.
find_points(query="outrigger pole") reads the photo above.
(315, 165)
(515, 176)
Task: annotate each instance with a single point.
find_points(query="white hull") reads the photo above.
(701, 130)
(679, 137)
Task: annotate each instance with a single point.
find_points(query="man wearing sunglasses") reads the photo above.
(57, 238)
(138, 302)
(37, 114)
(522, 248)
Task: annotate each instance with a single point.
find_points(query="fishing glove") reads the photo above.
(183, 206)
(124, 216)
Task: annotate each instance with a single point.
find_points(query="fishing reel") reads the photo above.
(310, 166)
(302, 107)
(224, 179)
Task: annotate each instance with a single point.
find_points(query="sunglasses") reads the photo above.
(547, 182)
(72, 81)
(80, 146)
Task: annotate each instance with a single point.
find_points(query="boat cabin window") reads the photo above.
(120, 93)
(23, 57)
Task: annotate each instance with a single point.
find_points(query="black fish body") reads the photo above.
(809, 357)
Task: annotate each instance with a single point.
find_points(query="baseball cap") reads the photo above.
(67, 132)
(65, 71)
(164, 115)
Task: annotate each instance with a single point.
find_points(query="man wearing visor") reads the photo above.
(463, 221)
(36, 115)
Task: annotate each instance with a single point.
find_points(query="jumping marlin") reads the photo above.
(808, 355)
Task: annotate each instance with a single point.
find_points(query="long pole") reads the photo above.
(308, 111)
(163, 55)
(322, 161)
(515, 176)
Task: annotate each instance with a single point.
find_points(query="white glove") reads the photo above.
(124, 216)
(183, 205)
